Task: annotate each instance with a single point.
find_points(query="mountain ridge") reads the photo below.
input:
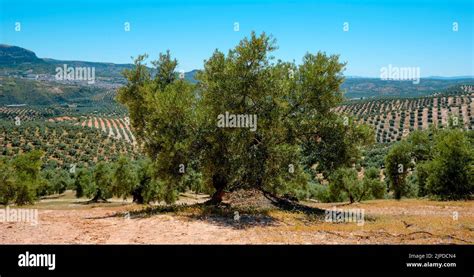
(23, 63)
(7, 55)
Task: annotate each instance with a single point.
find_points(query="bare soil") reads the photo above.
(66, 220)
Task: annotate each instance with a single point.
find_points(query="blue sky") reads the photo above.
(401, 33)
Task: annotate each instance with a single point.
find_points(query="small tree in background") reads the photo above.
(397, 163)
(371, 184)
(149, 189)
(124, 178)
(101, 186)
(27, 176)
(54, 181)
(7, 183)
(422, 173)
(343, 183)
(450, 175)
(83, 182)
(20, 178)
(421, 146)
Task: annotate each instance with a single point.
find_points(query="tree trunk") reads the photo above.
(398, 194)
(98, 196)
(137, 197)
(398, 189)
(351, 198)
(219, 182)
(217, 197)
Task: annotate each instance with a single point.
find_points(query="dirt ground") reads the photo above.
(66, 220)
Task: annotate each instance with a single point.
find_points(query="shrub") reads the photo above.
(319, 192)
(124, 179)
(421, 175)
(411, 189)
(20, 177)
(397, 163)
(82, 182)
(53, 181)
(344, 184)
(451, 171)
(7, 183)
(372, 184)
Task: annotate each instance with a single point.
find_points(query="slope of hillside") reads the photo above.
(394, 118)
(16, 55)
(14, 60)
(357, 88)
(35, 93)
(17, 60)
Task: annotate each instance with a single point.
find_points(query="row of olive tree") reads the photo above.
(24, 179)
(126, 178)
(438, 163)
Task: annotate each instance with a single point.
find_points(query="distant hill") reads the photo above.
(101, 69)
(373, 87)
(190, 76)
(14, 59)
(13, 55)
(450, 78)
(394, 118)
(35, 93)
(17, 60)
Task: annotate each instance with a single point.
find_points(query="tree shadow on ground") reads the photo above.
(232, 217)
(222, 215)
(293, 206)
(226, 215)
(51, 197)
(90, 202)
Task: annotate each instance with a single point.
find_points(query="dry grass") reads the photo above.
(68, 220)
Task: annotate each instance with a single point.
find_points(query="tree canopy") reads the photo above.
(290, 105)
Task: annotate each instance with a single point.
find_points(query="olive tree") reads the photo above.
(250, 121)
